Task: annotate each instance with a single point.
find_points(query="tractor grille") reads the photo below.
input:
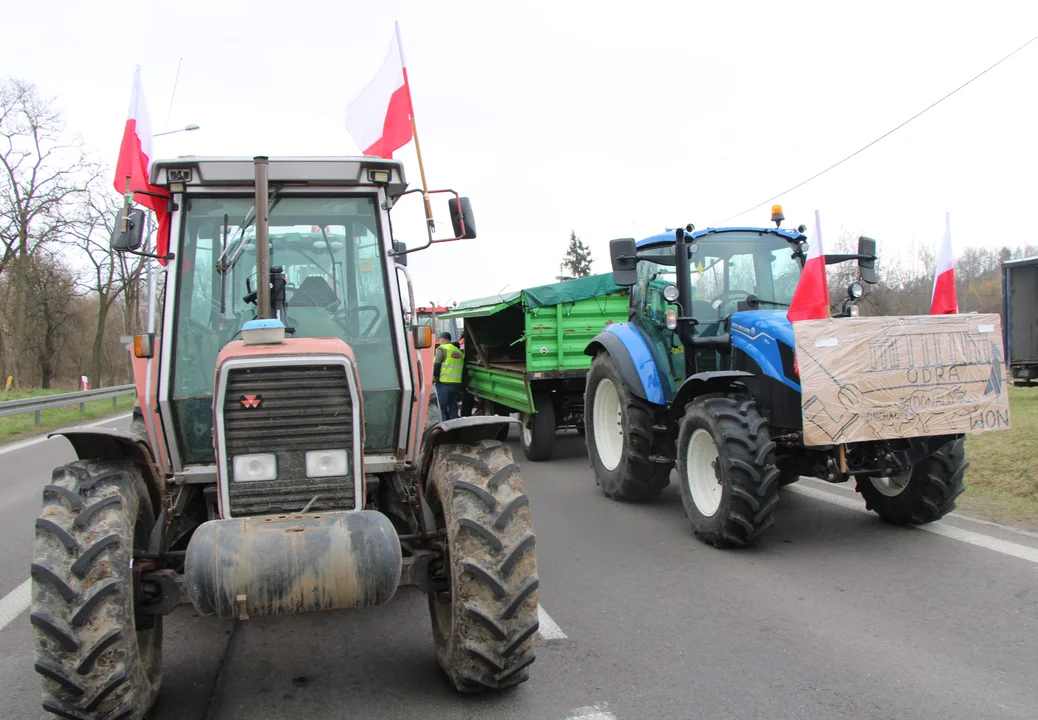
(287, 411)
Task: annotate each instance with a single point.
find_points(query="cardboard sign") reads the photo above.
(884, 378)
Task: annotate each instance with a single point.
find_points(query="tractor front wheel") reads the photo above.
(726, 462)
(96, 658)
(922, 494)
(485, 622)
(619, 436)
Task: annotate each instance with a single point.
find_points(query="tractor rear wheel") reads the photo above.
(922, 494)
(619, 436)
(538, 430)
(726, 462)
(97, 660)
(484, 625)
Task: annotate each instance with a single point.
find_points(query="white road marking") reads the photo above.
(44, 438)
(592, 712)
(849, 492)
(14, 604)
(1005, 547)
(549, 629)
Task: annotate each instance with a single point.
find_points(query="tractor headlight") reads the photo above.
(670, 293)
(255, 468)
(326, 463)
(855, 291)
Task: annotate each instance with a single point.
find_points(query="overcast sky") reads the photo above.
(555, 116)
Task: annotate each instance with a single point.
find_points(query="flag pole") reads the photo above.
(421, 170)
(414, 131)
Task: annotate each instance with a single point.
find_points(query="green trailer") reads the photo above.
(524, 353)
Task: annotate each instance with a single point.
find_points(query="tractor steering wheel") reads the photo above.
(726, 297)
(344, 313)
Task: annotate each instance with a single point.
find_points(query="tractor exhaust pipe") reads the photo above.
(262, 239)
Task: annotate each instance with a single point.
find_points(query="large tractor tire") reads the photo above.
(726, 462)
(484, 626)
(538, 430)
(96, 660)
(924, 493)
(618, 427)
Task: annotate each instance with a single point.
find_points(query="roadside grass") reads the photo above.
(1002, 480)
(17, 427)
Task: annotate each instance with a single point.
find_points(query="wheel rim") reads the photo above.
(527, 430)
(892, 486)
(609, 429)
(701, 470)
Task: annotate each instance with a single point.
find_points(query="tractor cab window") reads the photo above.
(330, 251)
(726, 268)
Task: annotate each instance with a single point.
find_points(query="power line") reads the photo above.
(889, 132)
(171, 97)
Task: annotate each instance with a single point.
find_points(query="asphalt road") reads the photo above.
(833, 615)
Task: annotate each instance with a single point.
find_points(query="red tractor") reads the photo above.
(279, 461)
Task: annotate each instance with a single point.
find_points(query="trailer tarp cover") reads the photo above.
(569, 291)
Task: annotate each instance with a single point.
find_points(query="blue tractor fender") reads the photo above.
(633, 357)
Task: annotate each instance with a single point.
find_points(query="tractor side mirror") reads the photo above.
(400, 247)
(423, 337)
(129, 231)
(461, 212)
(625, 263)
(867, 263)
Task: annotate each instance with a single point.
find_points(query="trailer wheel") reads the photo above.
(96, 659)
(538, 430)
(619, 436)
(924, 493)
(729, 482)
(484, 625)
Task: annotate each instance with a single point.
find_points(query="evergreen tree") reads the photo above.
(576, 263)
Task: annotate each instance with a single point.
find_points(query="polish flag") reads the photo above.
(811, 298)
(134, 165)
(943, 301)
(379, 119)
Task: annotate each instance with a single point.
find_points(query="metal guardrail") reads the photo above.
(34, 405)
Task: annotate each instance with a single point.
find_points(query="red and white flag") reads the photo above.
(379, 119)
(944, 301)
(811, 298)
(134, 165)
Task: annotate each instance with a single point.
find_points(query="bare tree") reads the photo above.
(40, 173)
(92, 232)
(51, 289)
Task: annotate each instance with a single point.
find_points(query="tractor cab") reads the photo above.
(731, 270)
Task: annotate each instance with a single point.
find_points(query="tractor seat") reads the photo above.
(314, 290)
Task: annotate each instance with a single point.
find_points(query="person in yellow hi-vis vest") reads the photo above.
(447, 367)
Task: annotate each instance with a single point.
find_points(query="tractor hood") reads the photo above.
(767, 337)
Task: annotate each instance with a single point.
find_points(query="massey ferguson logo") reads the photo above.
(251, 401)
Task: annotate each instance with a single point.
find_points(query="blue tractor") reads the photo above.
(704, 377)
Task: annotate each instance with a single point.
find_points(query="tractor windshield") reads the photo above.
(726, 268)
(330, 250)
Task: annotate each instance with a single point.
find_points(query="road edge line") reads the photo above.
(1005, 547)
